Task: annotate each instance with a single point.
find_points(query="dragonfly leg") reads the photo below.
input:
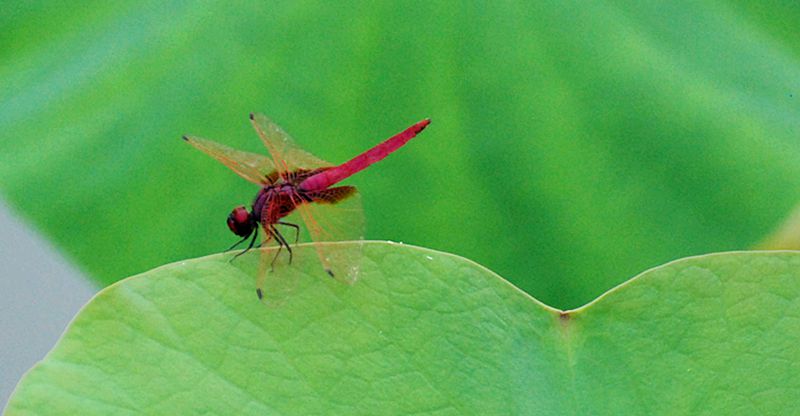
(296, 230)
(237, 243)
(277, 253)
(282, 241)
(250, 246)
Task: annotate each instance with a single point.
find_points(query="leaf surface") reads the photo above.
(425, 332)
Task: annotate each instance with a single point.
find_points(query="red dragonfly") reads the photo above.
(294, 180)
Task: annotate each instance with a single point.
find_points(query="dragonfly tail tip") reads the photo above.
(422, 124)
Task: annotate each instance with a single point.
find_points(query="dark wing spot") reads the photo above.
(272, 177)
(332, 195)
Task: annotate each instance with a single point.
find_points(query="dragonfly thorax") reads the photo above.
(276, 201)
(272, 203)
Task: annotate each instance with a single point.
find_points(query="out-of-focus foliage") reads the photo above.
(573, 144)
(429, 333)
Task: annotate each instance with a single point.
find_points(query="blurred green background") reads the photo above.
(573, 144)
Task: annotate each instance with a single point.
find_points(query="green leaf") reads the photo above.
(425, 332)
(585, 141)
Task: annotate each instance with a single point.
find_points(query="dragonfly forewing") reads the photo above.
(250, 166)
(286, 155)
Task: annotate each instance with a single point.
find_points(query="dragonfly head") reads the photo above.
(241, 222)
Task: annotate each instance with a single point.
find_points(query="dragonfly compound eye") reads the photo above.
(239, 222)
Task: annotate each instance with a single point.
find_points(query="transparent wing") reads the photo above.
(336, 216)
(286, 156)
(275, 285)
(275, 281)
(255, 168)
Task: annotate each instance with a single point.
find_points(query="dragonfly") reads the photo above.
(291, 181)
